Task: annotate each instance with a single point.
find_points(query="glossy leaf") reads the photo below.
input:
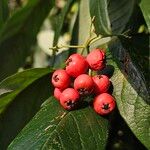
(131, 93)
(55, 128)
(146, 11)
(138, 48)
(19, 33)
(28, 90)
(15, 84)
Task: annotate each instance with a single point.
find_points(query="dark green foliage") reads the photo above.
(30, 118)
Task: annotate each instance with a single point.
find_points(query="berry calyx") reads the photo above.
(76, 65)
(60, 79)
(57, 93)
(102, 83)
(104, 104)
(84, 84)
(96, 59)
(69, 99)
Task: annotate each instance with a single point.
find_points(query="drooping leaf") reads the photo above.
(24, 94)
(19, 34)
(4, 12)
(120, 12)
(55, 128)
(111, 16)
(144, 4)
(15, 84)
(131, 93)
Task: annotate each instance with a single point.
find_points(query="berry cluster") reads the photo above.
(73, 82)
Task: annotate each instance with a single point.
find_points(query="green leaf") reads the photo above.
(111, 16)
(131, 93)
(120, 12)
(24, 94)
(138, 49)
(84, 16)
(81, 31)
(19, 34)
(4, 12)
(15, 84)
(98, 8)
(144, 5)
(121, 51)
(55, 128)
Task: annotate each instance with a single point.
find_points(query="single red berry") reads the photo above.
(57, 93)
(76, 64)
(69, 99)
(84, 84)
(96, 59)
(60, 79)
(104, 104)
(102, 84)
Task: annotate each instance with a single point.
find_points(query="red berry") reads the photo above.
(102, 84)
(60, 79)
(104, 104)
(96, 59)
(69, 99)
(57, 93)
(84, 84)
(76, 65)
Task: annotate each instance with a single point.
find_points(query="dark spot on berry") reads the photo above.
(55, 78)
(83, 91)
(68, 61)
(99, 76)
(105, 106)
(71, 104)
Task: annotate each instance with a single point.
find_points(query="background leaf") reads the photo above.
(19, 33)
(57, 59)
(111, 16)
(146, 11)
(28, 90)
(120, 13)
(84, 16)
(55, 128)
(60, 21)
(4, 12)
